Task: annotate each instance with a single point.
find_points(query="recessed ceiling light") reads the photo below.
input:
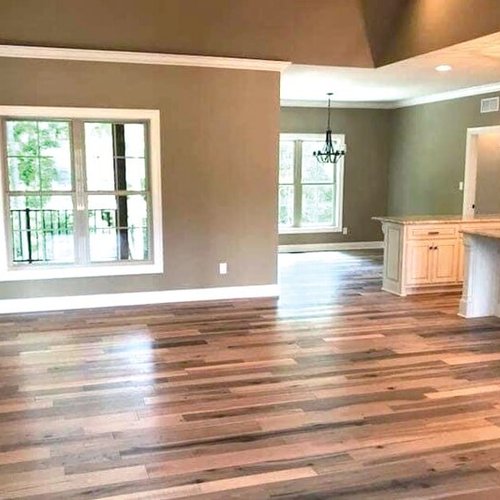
(443, 67)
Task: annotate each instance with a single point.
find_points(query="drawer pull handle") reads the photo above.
(433, 232)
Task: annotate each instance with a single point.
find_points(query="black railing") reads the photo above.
(35, 232)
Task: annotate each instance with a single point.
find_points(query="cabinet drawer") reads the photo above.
(432, 232)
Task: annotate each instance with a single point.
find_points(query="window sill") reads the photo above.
(61, 272)
(309, 230)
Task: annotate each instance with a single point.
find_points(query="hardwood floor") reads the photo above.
(336, 391)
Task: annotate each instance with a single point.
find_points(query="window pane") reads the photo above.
(103, 213)
(115, 156)
(285, 214)
(55, 156)
(312, 169)
(23, 173)
(137, 223)
(134, 140)
(99, 157)
(286, 167)
(317, 205)
(42, 229)
(39, 155)
(118, 228)
(22, 138)
(135, 174)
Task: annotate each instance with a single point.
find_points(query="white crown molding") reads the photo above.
(36, 304)
(325, 247)
(448, 96)
(152, 58)
(295, 103)
(403, 103)
(124, 57)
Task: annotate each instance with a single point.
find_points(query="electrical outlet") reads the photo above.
(345, 230)
(222, 267)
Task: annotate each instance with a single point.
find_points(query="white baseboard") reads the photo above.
(38, 304)
(323, 247)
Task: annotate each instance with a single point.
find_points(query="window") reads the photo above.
(80, 193)
(310, 193)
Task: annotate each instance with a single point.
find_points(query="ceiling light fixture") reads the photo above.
(329, 154)
(443, 67)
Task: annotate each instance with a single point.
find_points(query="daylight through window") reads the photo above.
(77, 192)
(310, 192)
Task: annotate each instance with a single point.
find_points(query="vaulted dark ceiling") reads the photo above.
(427, 25)
(361, 33)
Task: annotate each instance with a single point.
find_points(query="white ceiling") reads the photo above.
(475, 63)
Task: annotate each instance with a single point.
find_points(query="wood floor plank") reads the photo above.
(336, 390)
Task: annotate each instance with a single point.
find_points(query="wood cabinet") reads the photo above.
(426, 255)
(431, 262)
(444, 261)
(418, 268)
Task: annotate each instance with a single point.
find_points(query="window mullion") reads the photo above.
(81, 212)
(5, 197)
(297, 180)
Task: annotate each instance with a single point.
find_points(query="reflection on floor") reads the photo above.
(337, 391)
(320, 277)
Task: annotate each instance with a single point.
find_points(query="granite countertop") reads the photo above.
(438, 219)
(486, 233)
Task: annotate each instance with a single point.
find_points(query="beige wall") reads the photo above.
(367, 133)
(488, 174)
(219, 133)
(428, 155)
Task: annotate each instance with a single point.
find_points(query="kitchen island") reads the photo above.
(481, 291)
(424, 254)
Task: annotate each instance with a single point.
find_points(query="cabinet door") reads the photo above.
(445, 261)
(418, 262)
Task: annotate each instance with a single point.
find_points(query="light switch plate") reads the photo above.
(222, 267)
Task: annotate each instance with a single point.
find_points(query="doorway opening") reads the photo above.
(482, 171)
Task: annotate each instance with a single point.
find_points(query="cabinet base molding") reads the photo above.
(326, 247)
(424, 289)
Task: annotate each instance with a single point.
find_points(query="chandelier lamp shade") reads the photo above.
(329, 154)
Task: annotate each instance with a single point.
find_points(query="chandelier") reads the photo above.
(329, 154)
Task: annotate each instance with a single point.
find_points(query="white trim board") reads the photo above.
(450, 95)
(324, 247)
(160, 59)
(39, 304)
(403, 103)
(296, 103)
(125, 57)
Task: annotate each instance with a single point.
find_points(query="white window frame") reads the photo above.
(339, 183)
(55, 271)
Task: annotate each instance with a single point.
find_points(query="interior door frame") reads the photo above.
(470, 173)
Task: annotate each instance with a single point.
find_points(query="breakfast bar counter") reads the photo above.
(424, 254)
